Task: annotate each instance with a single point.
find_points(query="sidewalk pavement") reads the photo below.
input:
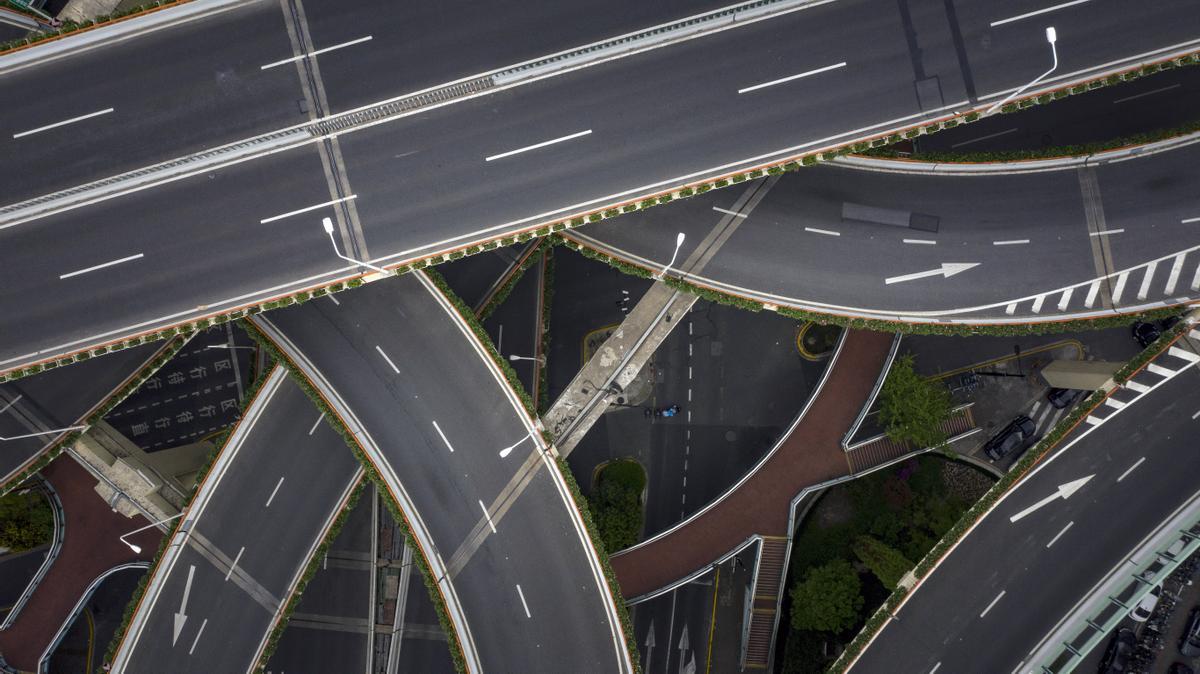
(90, 547)
(810, 455)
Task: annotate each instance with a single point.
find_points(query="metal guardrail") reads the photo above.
(1120, 593)
(866, 408)
(44, 661)
(56, 543)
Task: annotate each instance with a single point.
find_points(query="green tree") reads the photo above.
(887, 563)
(913, 408)
(616, 504)
(828, 599)
(26, 521)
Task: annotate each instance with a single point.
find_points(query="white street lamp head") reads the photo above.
(513, 357)
(679, 240)
(137, 549)
(1051, 35)
(328, 225)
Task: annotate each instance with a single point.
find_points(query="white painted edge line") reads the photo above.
(1011, 242)
(1189, 221)
(443, 436)
(306, 209)
(729, 212)
(101, 266)
(789, 78)
(315, 53)
(488, 517)
(1059, 534)
(1106, 232)
(827, 232)
(535, 146)
(389, 361)
(925, 242)
(523, 604)
(273, 492)
(1131, 469)
(1036, 12)
(233, 566)
(989, 606)
(1147, 93)
(62, 123)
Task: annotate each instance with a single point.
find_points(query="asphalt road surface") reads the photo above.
(392, 355)
(1008, 583)
(797, 249)
(649, 127)
(249, 534)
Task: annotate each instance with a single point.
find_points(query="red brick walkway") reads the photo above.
(812, 454)
(90, 547)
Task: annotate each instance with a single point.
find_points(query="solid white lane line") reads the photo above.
(316, 423)
(1144, 289)
(828, 232)
(62, 123)
(101, 266)
(1148, 93)
(544, 143)
(234, 565)
(989, 606)
(1059, 534)
(523, 604)
(990, 135)
(1091, 296)
(729, 212)
(314, 53)
(1106, 232)
(488, 516)
(306, 209)
(1131, 468)
(792, 77)
(1173, 275)
(389, 361)
(273, 492)
(925, 242)
(1011, 242)
(1066, 299)
(198, 633)
(443, 436)
(1036, 12)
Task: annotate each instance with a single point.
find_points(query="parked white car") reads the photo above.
(1141, 612)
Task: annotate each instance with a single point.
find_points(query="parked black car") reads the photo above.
(1146, 333)
(1180, 668)
(1063, 397)
(1014, 435)
(1189, 643)
(1120, 649)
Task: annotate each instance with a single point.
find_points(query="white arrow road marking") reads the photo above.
(649, 645)
(181, 616)
(947, 270)
(1064, 492)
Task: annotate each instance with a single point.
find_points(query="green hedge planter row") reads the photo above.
(107, 406)
(140, 590)
(1059, 152)
(1014, 475)
(310, 570)
(502, 294)
(648, 202)
(71, 27)
(547, 302)
(335, 421)
(850, 322)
